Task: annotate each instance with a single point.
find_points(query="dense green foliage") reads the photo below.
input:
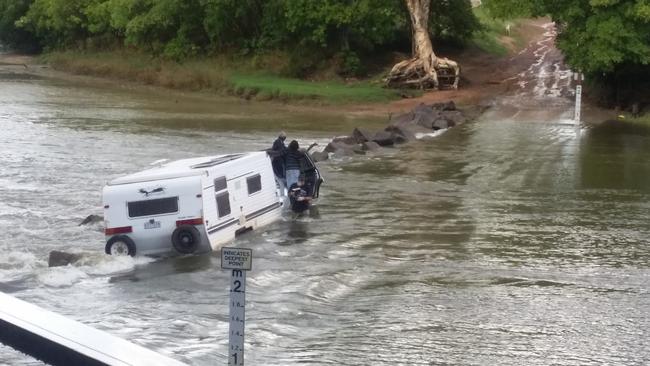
(609, 40)
(506, 9)
(492, 31)
(452, 20)
(308, 30)
(595, 35)
(613, 32)
(10, 34)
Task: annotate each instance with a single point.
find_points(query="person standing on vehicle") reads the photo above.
(278, 144)
(292, 162)
(279, 150)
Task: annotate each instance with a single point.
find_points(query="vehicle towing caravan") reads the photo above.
(193, 205)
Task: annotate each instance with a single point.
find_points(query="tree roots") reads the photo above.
(439, 73)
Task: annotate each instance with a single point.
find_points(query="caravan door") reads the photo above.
(221, 220)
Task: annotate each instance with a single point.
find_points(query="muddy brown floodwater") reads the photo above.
(519, 238)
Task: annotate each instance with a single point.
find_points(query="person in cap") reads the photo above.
(279, 150)
(278, 144)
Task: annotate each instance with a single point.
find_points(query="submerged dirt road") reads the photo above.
(532, 82)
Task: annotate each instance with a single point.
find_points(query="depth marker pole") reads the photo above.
(578, 77)
(239, 260)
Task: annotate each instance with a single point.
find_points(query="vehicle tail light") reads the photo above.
(197, 221)
(118, 230)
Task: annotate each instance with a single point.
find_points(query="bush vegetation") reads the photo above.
(252, 48)
(308, 31)
(608, 40)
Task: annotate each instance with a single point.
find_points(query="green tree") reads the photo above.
(309, 30)
(313, 30)
(596, 36)
(57, 22)
(233, 23)
(171, 27)
(609, 40)
(452, 20)
(339, 23)
(508, 9)
(10, 12)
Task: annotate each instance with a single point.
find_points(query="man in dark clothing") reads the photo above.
(298, 196)
(278, 144)
(293, 162)
(279, 151)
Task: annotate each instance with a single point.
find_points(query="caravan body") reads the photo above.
(190, 205)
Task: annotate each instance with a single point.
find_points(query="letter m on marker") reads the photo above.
(237, 273)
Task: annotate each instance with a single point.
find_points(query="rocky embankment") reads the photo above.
(424, 120)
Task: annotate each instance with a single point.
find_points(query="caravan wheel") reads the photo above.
(186, 239)
(120, 245)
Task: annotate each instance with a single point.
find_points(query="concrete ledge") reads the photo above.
(57, 340)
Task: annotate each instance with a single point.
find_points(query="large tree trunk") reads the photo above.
(422, 48)
(421, 70)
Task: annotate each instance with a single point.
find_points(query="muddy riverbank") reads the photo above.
(484, 78)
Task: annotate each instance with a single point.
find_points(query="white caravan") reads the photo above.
(193, 205)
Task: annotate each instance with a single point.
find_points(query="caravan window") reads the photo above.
(220, 184)
(157, 206)
(223, 204)
(254, 184)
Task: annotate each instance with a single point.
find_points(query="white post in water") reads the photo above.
(578, 77)
(239, 260)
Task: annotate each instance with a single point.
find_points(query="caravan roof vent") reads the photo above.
(216, 161)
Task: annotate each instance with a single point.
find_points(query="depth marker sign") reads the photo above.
(579, 78)
(576, 115)
(239, 260)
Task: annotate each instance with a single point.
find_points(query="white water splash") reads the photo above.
(61, 276)
(16, 265)
(89, 265)
(105, 265)
(421, 135)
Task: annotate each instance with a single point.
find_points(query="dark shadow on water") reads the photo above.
(314, 212)
(613, 127)
(194, 263)
(170, 266)
(9, 287)
(298, 232)
(616, 155)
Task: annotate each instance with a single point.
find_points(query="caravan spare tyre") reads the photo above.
(186, 239)
(120, 245)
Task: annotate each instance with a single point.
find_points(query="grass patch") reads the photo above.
(643, 119)
(276, 87)
(142, 68)
(494, 37)
(219, 74)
